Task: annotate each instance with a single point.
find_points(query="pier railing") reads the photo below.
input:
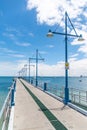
(76, 96)
(5, 111)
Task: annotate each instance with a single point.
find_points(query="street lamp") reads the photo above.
(37, 60)
(29, 68)
(50, 34)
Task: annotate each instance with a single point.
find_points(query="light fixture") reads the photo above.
(50, 34)
(81, 38)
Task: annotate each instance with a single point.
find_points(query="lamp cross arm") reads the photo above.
(41, 59)
(31, 65)
(35, 58)
(32, 58)
(66, 34)
(80, 38)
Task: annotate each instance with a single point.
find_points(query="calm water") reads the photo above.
(5, 83)
(74, 82)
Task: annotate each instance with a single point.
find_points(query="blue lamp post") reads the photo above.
(37, 60)
(29, 68)
(50, 34)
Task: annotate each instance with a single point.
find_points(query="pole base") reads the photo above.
(12, 104)
(66, 99)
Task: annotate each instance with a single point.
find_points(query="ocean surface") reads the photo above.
(73, 82)
(5, 83)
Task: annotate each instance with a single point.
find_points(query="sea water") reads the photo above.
(56, 85)
(57, 82)
(73, 82)
(5, 83)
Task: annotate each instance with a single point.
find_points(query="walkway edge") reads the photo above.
(10, 127)
(82, 111)
(53, 120)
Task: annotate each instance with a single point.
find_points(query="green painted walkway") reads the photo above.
(53, 120)
(36, 110)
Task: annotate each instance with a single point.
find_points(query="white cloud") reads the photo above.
(83, 49)
(8, 68)
(11, 30)
(11, 53)
(42, 52)
(77, 68)
(6, 50)
(11, 68)
(9, 35)
(31, 34)
(74, 55)
(50, 46)
(52, 12)
(46, 10)
(76, 42)
(24, 44)
(59, 68)
(81, 44)
(49, 70)
(17, 55)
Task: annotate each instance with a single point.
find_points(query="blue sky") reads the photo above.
(23, 28)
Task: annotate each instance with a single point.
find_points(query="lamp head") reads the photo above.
(50, 34)
(81, 38)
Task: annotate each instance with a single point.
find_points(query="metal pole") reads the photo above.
(50, 34)
(12, 97)
(45, 86)
(66, 62)
(29, 70)
(36, 59)
(36, 67)
(25, 70)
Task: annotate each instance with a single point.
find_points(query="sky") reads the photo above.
(23, 28)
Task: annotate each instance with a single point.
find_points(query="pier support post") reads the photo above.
(14, 85)
(12, 97)
(31, 81)
(12, 93)
(36, 83)
(45, 86)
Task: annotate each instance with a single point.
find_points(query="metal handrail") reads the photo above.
(6, 109)
(75, 95)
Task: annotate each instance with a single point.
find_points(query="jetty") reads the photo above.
(34, 109)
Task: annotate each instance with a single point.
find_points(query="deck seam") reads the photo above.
(56, 124)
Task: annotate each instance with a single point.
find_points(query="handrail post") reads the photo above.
(31, 81)
(14, 84)
(86, 96)
(45, 86)
(12, 94)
